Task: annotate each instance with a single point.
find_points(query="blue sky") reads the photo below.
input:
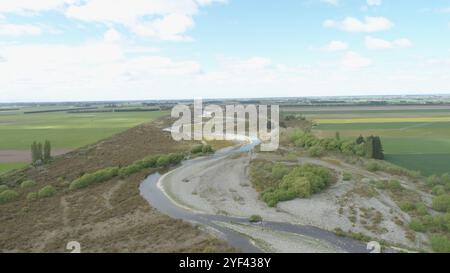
(53, 50)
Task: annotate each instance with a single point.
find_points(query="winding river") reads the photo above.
(151, 190)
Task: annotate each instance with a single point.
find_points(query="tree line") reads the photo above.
(41, 153)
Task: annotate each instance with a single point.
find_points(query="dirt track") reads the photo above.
(12, 156)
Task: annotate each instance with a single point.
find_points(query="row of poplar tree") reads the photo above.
(373, 146)
(41, 153)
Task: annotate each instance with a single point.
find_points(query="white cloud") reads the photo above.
(353, 60)
(32, 6)
(369, 24)
(374, 2)
(159, 19)
(376, 43)
(331, 2)
(112, 35)
(335, 46)
(18, 30)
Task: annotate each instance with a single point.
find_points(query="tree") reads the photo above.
(360, 140)
(39, 151)
(377, 148)
(47, 151)
(369, 147)
(34, 154)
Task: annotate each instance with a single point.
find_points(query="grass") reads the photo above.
(6, 167)
(18, 131)
(427, 164)
(417, 140)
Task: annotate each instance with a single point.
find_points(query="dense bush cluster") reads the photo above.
(202, 149)
(439, 184)
(374, 166)
(47, 191)
(300, 182)
(3, 188)
(93, 178)
(27, 184)
(8, 196)
(442, 203)
(108, 173)
(370, 147)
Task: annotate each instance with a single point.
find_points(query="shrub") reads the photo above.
(407, 206)
(394, 185)
(206, 149)
(197, 149)
(3, 188)
(442, 203)
(27, 184)
(47, 191)
(96, 177)
(438, 190)
(32, 196)
(372, 167)
(421, 209)
(316, 151)
(130, 169)
(417, 225)
(301, 182)
(255, 219)
(347, 176)
(440, 243)
(433, 181)
(8, 196)
(279, 171)
(166, 160)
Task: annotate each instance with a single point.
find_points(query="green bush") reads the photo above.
(131, 169)
(417, 225)
(47, 191)
(394, 185)
(433, 180)
(301, 182)
(372, 167)
(440, 243)
(279, 171)
(442, 203)
(32, 196)
(201, 149)
(438, 190)
(3, 188)
(197, 149)
(407, 206)
(421, 209)
(347, 176)
(316, 151)
(8, 196)
(27, 184)
(206, 149)
(93, 178)
(255, 219)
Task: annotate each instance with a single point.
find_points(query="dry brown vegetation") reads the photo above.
(107, 217)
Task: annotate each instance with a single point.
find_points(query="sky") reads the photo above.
(75, 50)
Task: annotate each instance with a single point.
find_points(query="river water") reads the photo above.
(158, 199)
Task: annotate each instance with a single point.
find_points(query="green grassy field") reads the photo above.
(418, 140)
(4, 167)
(64, 130)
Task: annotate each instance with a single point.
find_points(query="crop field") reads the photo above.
(64, 130)
(415, 139)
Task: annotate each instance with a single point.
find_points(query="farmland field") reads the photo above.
(65, 130)
(415, 139)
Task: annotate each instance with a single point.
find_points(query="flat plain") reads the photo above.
(414, 137)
